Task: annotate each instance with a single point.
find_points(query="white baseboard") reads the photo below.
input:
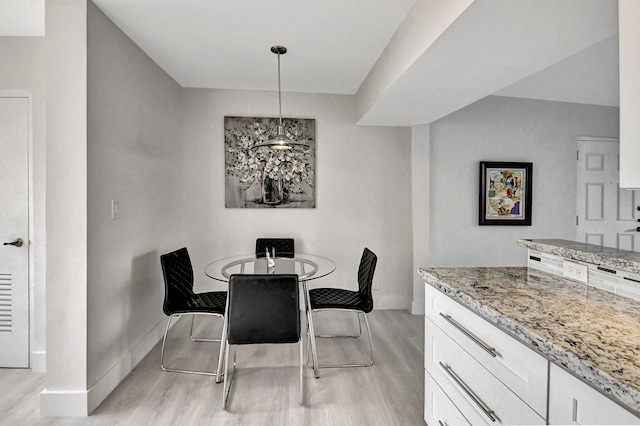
(417, 307)
(39, 361)
(63, 403)
(112, 378)
(81, 403)
(390, 302)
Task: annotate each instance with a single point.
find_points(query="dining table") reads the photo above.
(307, 266)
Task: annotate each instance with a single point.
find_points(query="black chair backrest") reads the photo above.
(263, 309)
(178, 280)
(366, 270)
(285, 247)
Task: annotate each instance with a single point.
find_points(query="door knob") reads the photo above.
(17, 242)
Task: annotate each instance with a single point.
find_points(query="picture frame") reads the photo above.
(505, 193)
(263, 177)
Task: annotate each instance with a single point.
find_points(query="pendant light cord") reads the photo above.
(279, 90)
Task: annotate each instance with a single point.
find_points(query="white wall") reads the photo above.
(66, 208)
(506, 129)
(363, 193)
(420, 178)
(134, 157)
(22, 65)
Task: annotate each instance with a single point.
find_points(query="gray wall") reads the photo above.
(135, 157)
(505, 129)
(363, 190)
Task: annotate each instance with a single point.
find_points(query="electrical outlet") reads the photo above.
(376, 285)
(575, 271)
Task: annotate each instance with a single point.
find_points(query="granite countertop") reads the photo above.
(592, 333)
(602, 256)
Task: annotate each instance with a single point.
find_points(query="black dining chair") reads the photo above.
(179, 300)
(337, 299)
(261, 309)
(283, 247)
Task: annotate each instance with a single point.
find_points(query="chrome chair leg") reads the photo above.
(301, 401)
(164, 341)
(227, 388)
(369, 363)
(199, 339)
(225, 391)
(176, 370)
(223, 344)
(355, 336)
(366, 321)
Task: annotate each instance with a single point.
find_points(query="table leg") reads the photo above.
(311, 332)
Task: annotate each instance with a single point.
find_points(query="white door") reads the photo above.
(14, 225)
(606, 215)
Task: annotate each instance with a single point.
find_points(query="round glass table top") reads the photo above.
(307, 266)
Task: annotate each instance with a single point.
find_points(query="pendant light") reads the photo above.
(280, 141)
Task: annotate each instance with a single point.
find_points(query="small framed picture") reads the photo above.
(505, 193)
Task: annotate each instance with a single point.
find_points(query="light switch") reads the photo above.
(115, 210)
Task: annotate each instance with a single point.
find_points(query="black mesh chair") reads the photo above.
(179, 299)
(262, 309)
(283, 247)
(337, 299)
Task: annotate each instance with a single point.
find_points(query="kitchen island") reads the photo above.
(588, 253)
(591, 333)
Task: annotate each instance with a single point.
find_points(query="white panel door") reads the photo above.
(14, 225)
(606, 215)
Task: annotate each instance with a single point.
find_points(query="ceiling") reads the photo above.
(21, 18)
(332, 44)
(406, 61)
(496, 45)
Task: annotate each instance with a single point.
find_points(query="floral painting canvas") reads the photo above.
(262, 177)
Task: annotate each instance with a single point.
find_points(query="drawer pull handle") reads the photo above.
(489, 349)
(441, 424)
(487, 411)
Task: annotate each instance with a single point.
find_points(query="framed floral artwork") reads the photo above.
(505, 193)
(262, 177)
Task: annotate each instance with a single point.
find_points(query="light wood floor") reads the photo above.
(265, 387)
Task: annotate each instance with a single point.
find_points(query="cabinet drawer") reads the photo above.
(438, 408)
(573, 402)
(519, 367)
(470, 386)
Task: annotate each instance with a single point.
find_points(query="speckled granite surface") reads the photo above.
(592, 333)
(589, 253)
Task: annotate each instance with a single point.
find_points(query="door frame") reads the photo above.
(11, 93)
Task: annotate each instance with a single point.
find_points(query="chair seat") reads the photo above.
(337, 298)
(213, 302)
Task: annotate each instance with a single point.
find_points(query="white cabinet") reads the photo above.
(573, 402)
(629, 68)
(442, 411)
(475, 373)
(478, 394)
(517, 366)
(487, 375)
